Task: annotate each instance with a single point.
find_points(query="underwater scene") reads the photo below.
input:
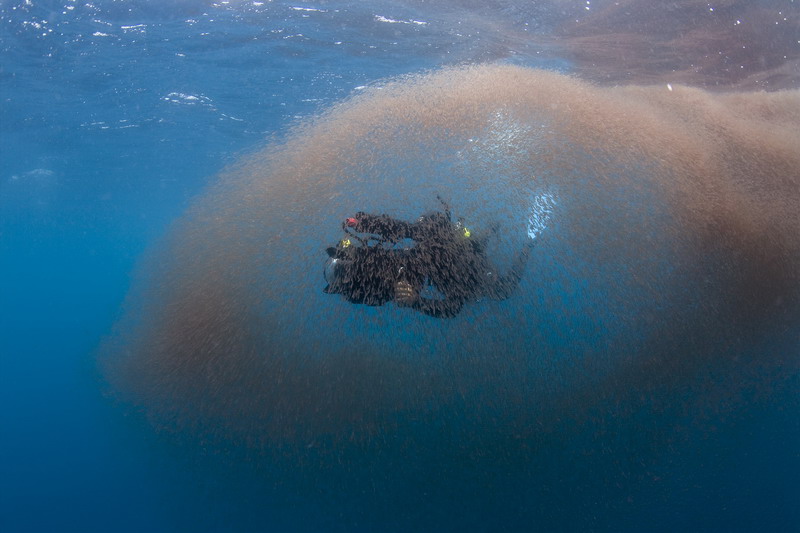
(392, 266)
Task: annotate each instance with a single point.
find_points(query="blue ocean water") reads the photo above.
(114, 116)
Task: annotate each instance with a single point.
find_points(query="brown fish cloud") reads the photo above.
(716, 45)
(674, 246)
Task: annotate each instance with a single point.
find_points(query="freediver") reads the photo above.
(442, 268)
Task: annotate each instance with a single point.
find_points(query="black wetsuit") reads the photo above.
(445, 266)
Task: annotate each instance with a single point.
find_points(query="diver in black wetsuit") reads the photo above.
(443, 268)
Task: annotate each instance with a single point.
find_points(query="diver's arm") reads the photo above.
(387, 227)
(504, 286)
(539, 213)
(406, 296)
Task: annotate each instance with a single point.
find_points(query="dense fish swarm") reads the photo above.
(666, 280)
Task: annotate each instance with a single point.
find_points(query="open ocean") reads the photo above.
(171, 173)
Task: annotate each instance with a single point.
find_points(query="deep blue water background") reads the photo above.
(113, 116)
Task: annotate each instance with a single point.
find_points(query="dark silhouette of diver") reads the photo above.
(432, 265)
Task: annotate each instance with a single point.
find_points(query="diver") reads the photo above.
(432, 265)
